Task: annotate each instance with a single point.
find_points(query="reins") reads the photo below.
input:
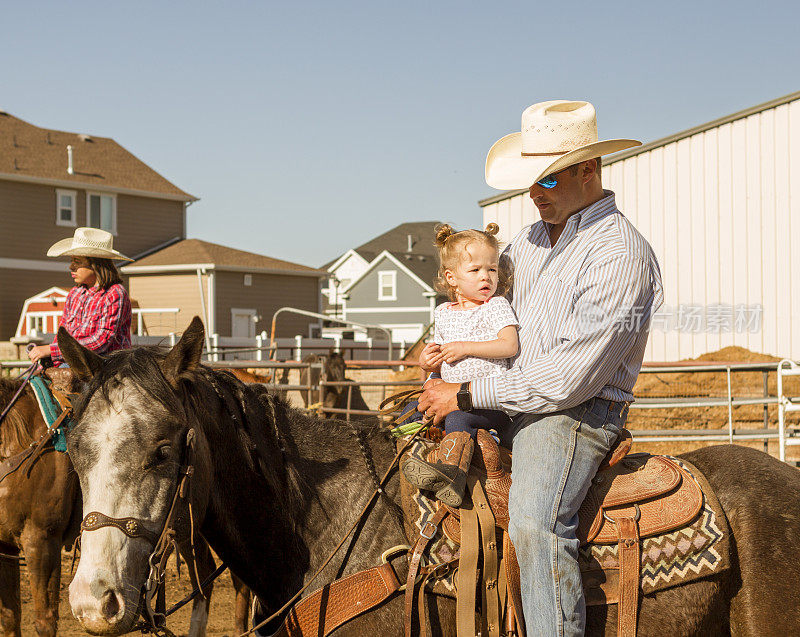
(398, 401)
(26, 377)
(37, 447)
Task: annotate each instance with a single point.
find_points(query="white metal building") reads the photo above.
(720, 204)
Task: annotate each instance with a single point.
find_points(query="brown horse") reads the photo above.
(40, 514)
(36, 516)
(276, 489)
(337, 396)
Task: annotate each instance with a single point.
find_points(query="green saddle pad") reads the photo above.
(51, 410)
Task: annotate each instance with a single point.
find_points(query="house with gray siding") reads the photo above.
(396, 292)
(387, 281)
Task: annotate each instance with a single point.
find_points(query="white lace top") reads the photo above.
(481, 323)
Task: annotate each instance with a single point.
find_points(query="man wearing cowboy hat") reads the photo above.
(586, 284)
(97, 311)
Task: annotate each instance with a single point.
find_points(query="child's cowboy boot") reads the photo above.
(448, 476)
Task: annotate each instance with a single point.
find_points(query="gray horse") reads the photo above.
(275, 489)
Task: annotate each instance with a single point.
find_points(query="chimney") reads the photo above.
(410, 243)
(69, 160)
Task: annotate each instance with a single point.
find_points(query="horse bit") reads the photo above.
(163, 543)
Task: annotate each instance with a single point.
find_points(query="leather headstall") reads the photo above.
(163, 543)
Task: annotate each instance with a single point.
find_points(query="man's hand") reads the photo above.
(455, 351)
(38, 352)
(430, 359)
(438, 400)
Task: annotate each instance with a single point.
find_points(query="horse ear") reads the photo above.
(83, 362)
(185, 356)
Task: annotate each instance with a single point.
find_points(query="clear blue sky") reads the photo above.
(309, 127)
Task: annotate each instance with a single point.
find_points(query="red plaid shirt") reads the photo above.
(98, 319)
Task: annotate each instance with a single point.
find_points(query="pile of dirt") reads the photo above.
(690, 384)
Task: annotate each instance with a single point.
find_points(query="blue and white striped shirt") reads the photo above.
(584, 309)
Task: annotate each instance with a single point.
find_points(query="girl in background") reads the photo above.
(97, 312)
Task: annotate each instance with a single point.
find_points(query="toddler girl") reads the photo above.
(474, 336)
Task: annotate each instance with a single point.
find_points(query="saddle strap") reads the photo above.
(490, 588)
(467, 575)
(337, 603)
(629, 568)
(427, 533)
(515, 621)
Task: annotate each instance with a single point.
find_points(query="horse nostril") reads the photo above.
(109, 605)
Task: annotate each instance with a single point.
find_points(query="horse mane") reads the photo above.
(267, 428)
(259, 418)
(15, 427)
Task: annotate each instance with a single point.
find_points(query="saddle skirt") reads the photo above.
(665, 495)
(670, 524)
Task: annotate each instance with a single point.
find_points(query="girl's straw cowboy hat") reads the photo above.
(554, 135)
(87, 242)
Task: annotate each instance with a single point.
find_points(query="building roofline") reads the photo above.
(385, 254)
(64, 183)
(625, 154)
(191, 267)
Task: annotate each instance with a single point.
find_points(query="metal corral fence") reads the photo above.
(783, 434)
(277, 373)
(258, 348)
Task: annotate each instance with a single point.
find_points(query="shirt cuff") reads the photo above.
(484, 394)
(55, 352)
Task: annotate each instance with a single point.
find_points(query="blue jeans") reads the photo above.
(555, 459)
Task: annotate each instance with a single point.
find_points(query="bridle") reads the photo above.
(154, 619)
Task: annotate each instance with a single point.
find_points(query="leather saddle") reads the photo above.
(633, 496)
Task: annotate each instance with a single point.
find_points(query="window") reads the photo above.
(101, 212)
(248, 279)
(65, 208)
(387, 285)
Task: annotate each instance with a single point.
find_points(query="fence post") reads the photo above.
(259, 344)
(337, 343)
(730, 407)
(172, 340)
(369, 348)
(139, 324)
(766, 409)
(215, 345)
(781, 415)
(298, 351)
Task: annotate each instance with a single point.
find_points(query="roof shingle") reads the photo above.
(396, 240)
(190, 251)
(30, 151)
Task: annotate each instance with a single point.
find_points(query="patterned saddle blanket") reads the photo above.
(52, 395)
(682, 531)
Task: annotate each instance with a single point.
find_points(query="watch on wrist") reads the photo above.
(464, 398)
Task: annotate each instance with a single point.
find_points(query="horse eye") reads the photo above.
(163, 452)
(160, 455)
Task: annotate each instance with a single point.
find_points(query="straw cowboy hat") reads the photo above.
(554, 135)
(87, 242)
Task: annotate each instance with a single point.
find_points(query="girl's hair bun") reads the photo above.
(443, 232)
(492, 229)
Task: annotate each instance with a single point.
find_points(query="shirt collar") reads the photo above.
(580, 220)
(598, 210)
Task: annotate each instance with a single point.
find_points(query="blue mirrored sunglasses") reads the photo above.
(550, 180)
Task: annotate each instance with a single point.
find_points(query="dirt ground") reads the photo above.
(220, 621)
